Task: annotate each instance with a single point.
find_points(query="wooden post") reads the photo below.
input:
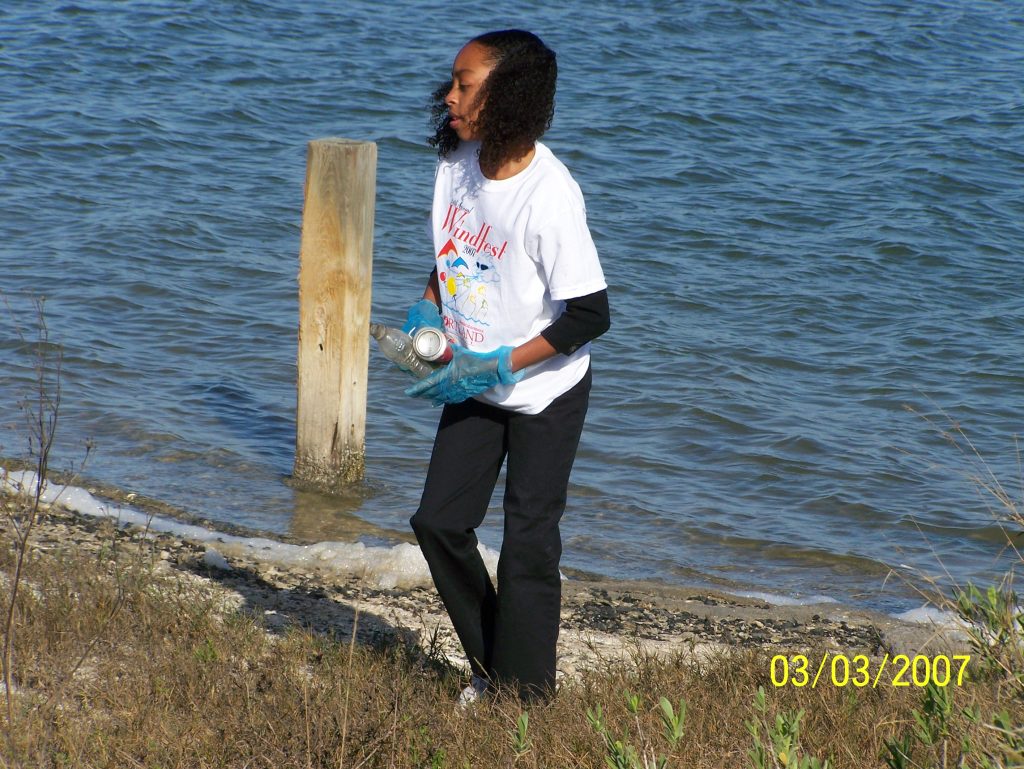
(335, 267)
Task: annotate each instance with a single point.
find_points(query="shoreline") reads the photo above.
(603, 620)
(376, 536)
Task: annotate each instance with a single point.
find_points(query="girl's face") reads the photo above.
(471, 68)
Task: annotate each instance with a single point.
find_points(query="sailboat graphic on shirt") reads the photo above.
(464, 282)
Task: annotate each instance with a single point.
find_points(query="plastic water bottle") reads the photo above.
(397, 347)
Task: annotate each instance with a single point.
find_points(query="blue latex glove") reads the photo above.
(422, 314)
(468, 374)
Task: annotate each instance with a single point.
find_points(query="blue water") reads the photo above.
(811, 217)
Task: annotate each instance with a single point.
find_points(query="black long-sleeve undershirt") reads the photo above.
(584, 319)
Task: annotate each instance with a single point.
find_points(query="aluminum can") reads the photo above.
(432, 345)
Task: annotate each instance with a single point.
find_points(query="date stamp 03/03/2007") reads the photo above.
(861, 671)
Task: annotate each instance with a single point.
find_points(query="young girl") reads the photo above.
(518, 288)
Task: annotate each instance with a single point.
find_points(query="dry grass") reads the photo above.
(120, 664)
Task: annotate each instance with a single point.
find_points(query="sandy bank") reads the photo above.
(601, 620)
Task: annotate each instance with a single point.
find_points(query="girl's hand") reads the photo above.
(468, 374)
(422, 314)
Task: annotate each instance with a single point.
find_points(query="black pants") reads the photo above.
(509, 634)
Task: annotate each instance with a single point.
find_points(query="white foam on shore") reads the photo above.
(382, 567)
(923, 615)
(929, 615)
(785, 600)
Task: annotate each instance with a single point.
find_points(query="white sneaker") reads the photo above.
(472, 693)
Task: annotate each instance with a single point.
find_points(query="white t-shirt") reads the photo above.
(509, 253)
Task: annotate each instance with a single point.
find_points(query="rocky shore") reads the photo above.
(601, 620)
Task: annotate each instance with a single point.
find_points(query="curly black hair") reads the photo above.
(518, 99)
